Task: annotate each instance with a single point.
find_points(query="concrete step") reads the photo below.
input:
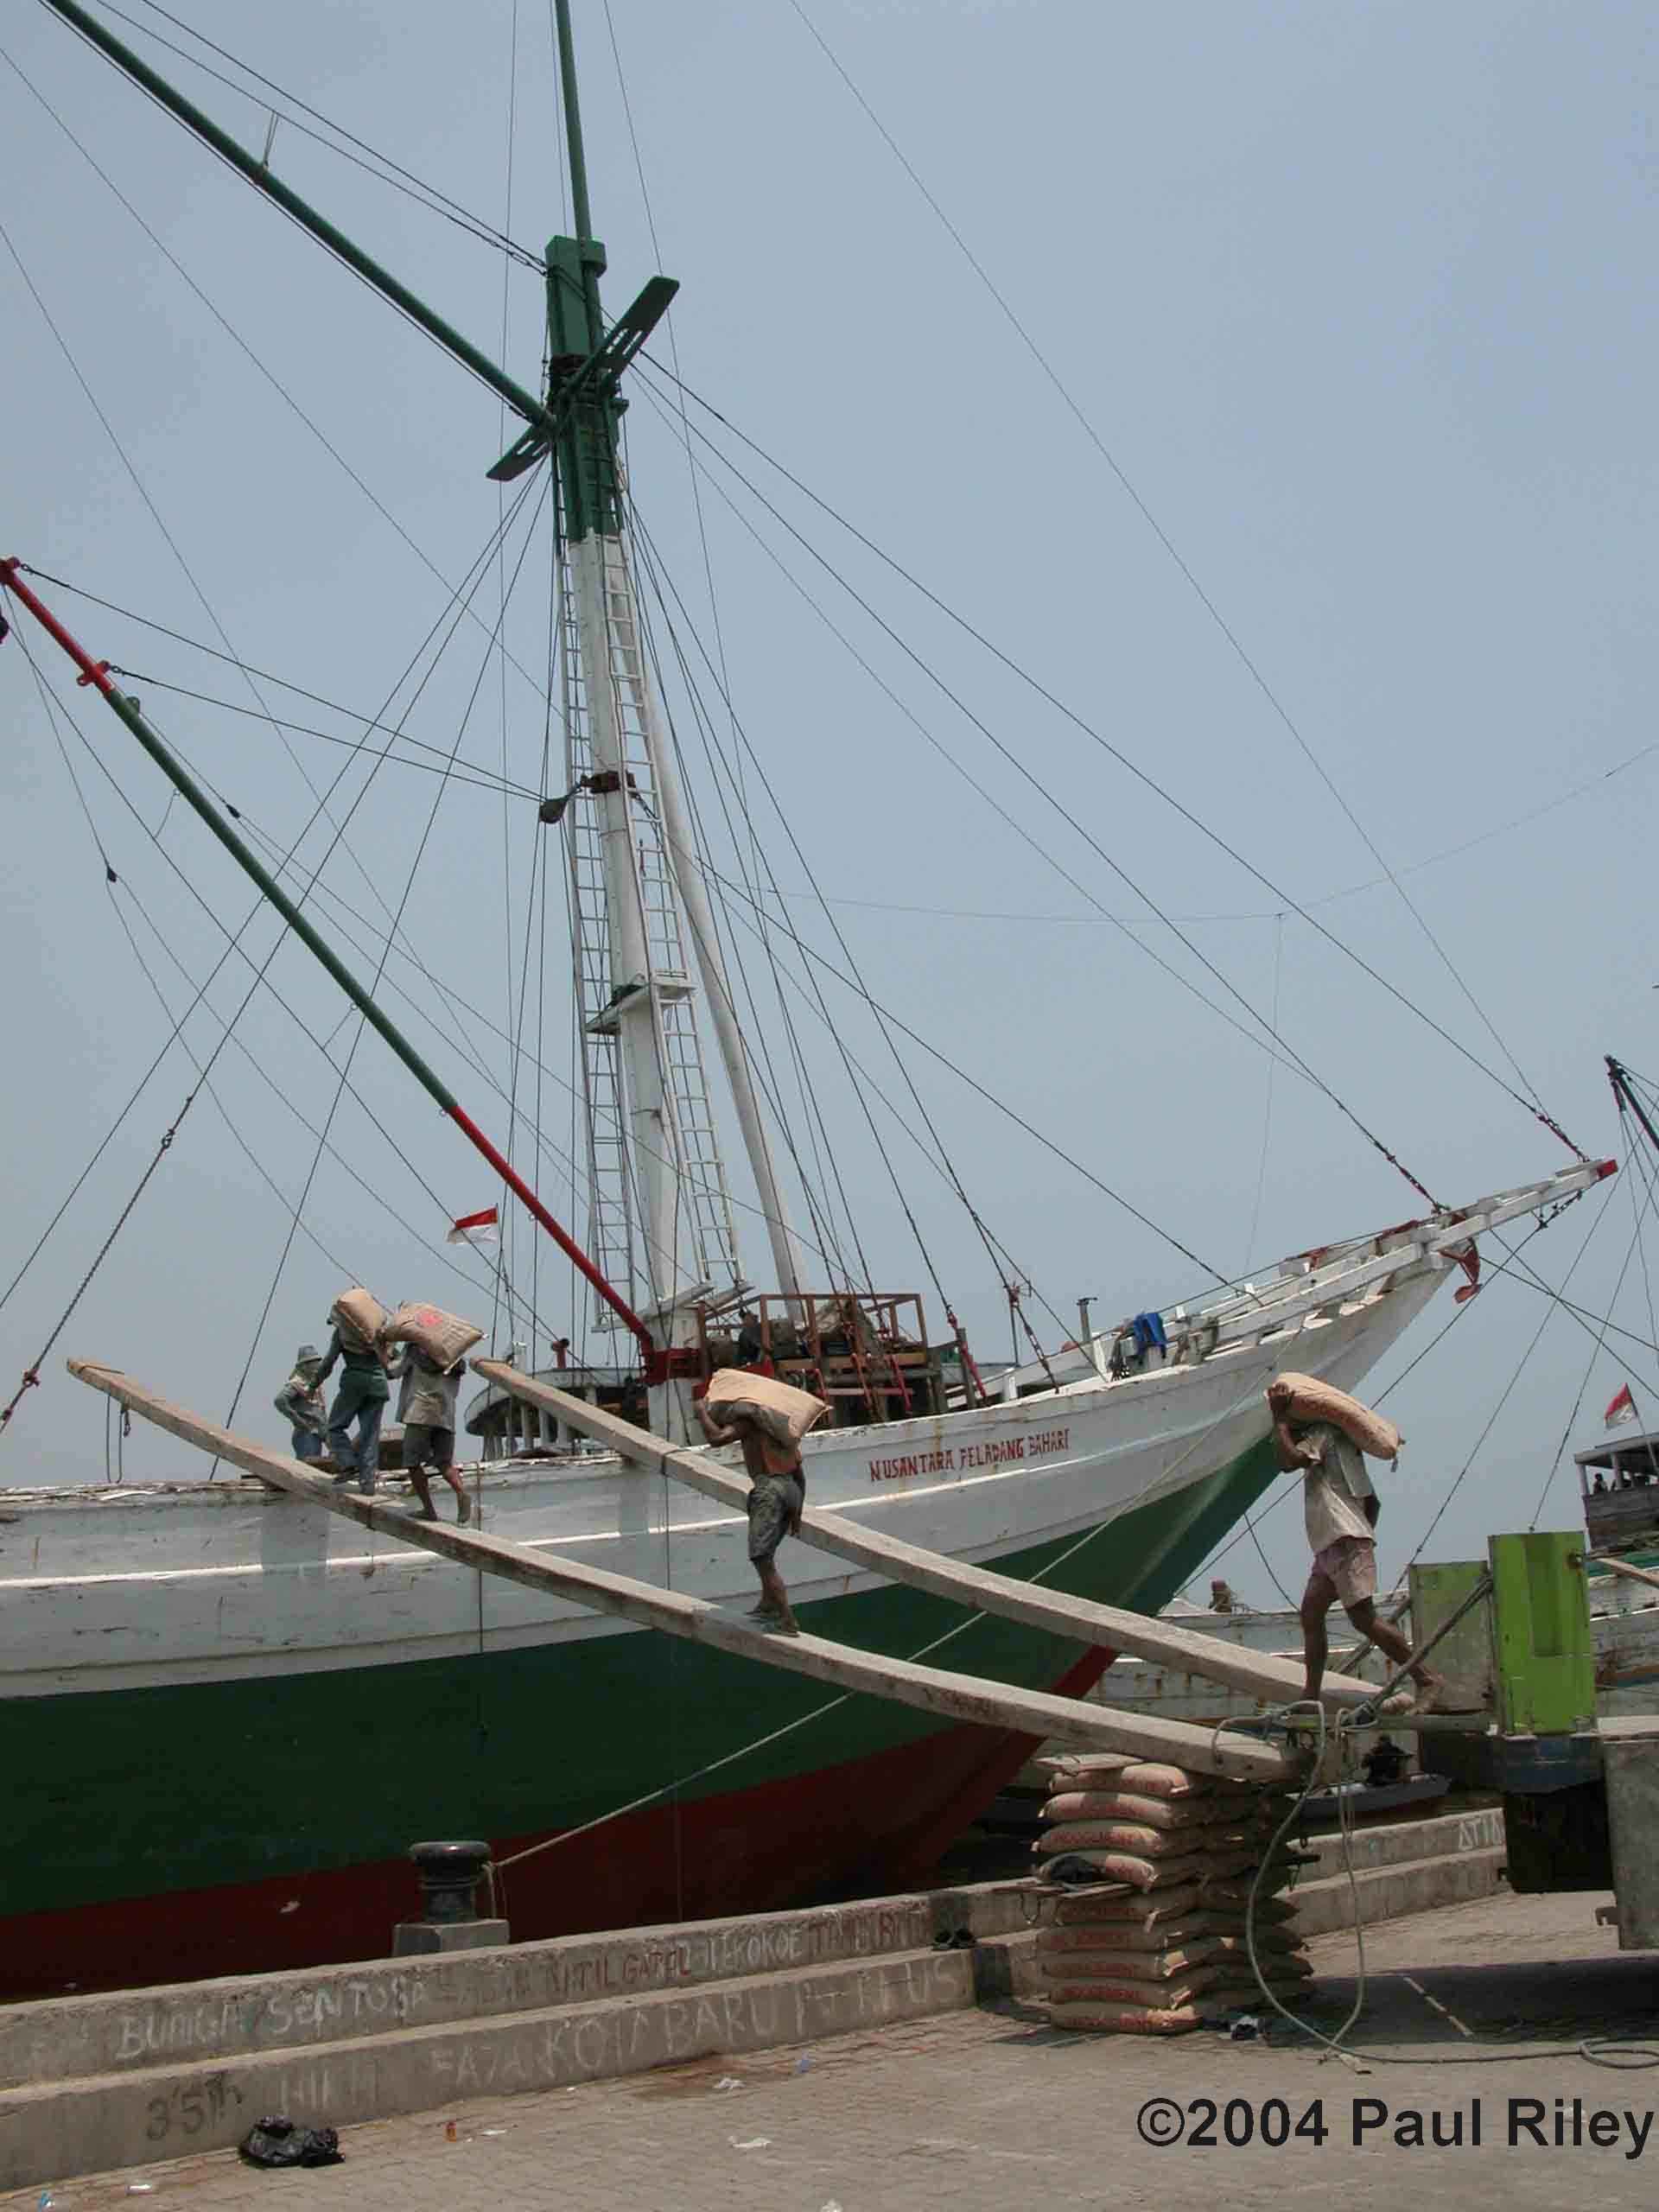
(1398, 1842)
(52, 2130)
(1391, 1892)
(207, 2022)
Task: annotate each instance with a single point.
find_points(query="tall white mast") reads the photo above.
(658, 1178)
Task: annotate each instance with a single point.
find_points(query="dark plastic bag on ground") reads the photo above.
(277, 2142)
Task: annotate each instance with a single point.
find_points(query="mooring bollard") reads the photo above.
(449, 1875)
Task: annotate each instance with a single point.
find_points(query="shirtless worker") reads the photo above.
(1340, 1510)
(777, 1495)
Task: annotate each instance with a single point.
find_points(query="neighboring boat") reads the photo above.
(228, 1716)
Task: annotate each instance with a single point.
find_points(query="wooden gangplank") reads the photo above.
(1257, 1674)
(1076, 1722)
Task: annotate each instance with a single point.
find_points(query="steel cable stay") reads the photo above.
(256, 362)
(719, 906)
(385, 1205)
(827, 1168)
(487, 780)
(1084, 727)
(229, 1023)
(1049, 799)
(1252, 666)
(259, 975)
(750, 865)
(1639, 1208)
(373, 939)
(759, 914)
(31, 1377)
(396, 920)
(288, 857)
(333, 243)
(388, 171)
(320, 799)
(816, 1187)
(951, 1174)
(507, 1220)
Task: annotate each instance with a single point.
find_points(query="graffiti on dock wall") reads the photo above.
(339, 2005)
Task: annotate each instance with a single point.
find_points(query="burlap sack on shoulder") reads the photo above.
(359, 1316)
(442, 1336)
(778, 1409)
(1311, 1400)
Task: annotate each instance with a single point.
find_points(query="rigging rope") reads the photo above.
(1205, 600)
(1022, 769)
(32, 1372)
(1124, 760)
(396, 925)
(414, 187)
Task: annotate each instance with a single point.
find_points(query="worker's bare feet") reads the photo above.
(1424, 1697)
(463, 1509)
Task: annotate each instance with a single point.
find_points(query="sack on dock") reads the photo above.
(1121, 1805)
(1120, 1835)
(1149, 1912)
(1151, 1778)
(1126, 2019)
(1142, 1873)
(277, 2141)
(441, 1336)
(777, 1409)
(1171, 1995)
(1311, 1400)
(359, 1316)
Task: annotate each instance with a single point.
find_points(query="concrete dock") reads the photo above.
(980, 2108)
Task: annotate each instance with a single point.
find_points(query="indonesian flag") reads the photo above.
(1622, 1409)
(476, 1228)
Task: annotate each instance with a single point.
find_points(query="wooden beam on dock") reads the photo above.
(1625, 1566)
(1075, 1721)
(1257, 1674)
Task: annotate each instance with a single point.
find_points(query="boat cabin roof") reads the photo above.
(1619, 1451)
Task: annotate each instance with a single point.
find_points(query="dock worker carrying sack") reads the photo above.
(359, 1316)
(1311, 1401)
(442, 1336)
(782, 1413)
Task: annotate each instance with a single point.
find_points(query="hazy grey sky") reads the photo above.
(1358, 299)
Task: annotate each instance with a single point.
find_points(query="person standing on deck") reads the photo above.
(1340, 1510)
(777, 1497)
(362, 1397)
(426, 1407)
(302, 1406)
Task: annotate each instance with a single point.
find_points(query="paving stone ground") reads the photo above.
(987, 2111)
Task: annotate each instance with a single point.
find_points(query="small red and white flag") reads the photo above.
(476, 1228)
(1622, 1409)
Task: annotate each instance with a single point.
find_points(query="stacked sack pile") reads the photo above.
(1148, 1869)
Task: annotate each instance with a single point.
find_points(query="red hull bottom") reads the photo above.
(878, 1824)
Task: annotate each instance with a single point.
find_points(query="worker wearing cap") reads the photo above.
(302, 1404)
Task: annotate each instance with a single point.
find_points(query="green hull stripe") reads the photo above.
(139, 1792)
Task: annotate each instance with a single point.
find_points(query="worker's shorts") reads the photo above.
(1350, 1564)
(424, 1446)
(774, 1501)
